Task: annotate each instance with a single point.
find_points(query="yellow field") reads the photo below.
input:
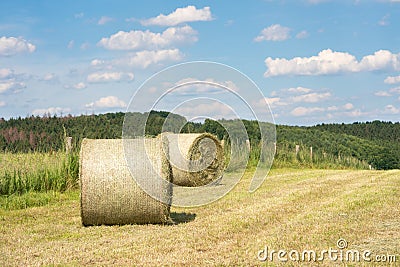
(294, 210)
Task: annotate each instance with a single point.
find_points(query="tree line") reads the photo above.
(377, 142)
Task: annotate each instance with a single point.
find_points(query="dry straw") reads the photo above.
(196, 159)
(109, 193)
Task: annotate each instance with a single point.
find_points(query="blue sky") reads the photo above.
(314, 60)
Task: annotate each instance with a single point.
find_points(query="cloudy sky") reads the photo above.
(314, 60)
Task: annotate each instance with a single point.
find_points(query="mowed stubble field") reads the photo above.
(292, 210)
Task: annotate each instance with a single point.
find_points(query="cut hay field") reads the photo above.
(294, 210)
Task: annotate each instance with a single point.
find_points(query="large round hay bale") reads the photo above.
(196, 159)
(110, 194)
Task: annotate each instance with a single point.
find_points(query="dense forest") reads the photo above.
(377, 143)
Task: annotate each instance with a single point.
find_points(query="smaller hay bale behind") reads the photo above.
(109, 193)
(196, 159)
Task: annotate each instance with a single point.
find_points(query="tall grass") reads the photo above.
(35, 179)
(38, 172)
(286, 157)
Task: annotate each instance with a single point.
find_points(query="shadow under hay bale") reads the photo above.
(196, 159)
(182, 217)
(110, 194)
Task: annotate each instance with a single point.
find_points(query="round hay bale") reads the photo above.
(196, 159)
(110, 194)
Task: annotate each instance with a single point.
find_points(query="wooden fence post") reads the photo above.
(248, 144)
(68, 144)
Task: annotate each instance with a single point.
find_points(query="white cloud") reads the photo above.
(311, 97)
(382, 59)
(299, 89)
(302, 35)
(101, 77)
(11, 85)
(302, 111)
(348, 106)
(326, 62)
(6, 73)
(287, 100)
(97, 62)
(146, 58)
(2, 104)
(274, 32)
(79, 15)
(392, 80)
(104, 19)
(354, 113)
(149, 40)
(85, 46)
(207, 86)
(273, 102)
(51, 111)
(332, 108)
(298, 94)
(10, 46)
(80, 85)
(49, 77)
(382, 93)
(349, 111)
(216, 110)
(107, 102)
(71, 44)
(331, 62)
(180, 15)
(385, 20)
(131, 20)
(395, 90)
(141, 59)
(10, 81)
(274, 93)
(390, 109)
